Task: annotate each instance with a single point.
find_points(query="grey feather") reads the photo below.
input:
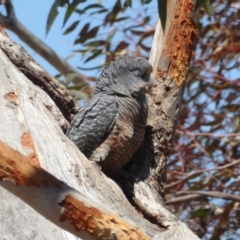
(92, 123)
(110, 128)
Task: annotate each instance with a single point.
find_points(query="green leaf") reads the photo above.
(111, 16)
(81, 51)
(147, 1)
(120, 19)
(78, 94)
(208, 7)
(99, 12)
(135, 32)
(145, 20)
(128, 3)
(117, 7)
(53, 13)
(91, 68)
(74, 80)
(85, 29)
(81, 39)
(111, 35)
(57, 76)
(83, 34)
(96, 43)
(94, 55)
(92, 6)
(201, 213)
(68, 13)
(70, 79)
(122, 45)
(76, 2)
(71, 8)
(71, 27)
(93, 32)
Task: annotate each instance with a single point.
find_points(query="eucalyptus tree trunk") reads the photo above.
(47, 184)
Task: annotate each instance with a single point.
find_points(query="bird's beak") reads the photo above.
(151, 80)
(150, 84)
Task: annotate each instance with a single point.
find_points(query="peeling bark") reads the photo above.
(144, 178)
(30, 132)
(26, 64)
(29, 127)
(66, 207)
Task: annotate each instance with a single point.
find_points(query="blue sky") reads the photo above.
(33, 15)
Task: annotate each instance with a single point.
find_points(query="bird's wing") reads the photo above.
(92, 124)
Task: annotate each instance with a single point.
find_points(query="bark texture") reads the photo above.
(144, 179)
(26, 64)
(61, 204)
(31, 125)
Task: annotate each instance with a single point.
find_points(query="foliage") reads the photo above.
(207, 141)
(114, 32)
(206, 146)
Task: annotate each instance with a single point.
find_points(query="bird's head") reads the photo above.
(128, 76)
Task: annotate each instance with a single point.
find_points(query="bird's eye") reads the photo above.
(146, 76)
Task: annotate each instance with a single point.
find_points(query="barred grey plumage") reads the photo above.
(111, 126)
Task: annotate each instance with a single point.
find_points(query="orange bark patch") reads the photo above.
(179, 42)
(99, 224)
(28, 143)
(11, 97)
(34, 159)
(16, 167)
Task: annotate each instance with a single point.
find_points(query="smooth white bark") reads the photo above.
(32, 112)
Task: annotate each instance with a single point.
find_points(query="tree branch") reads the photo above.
(11, 22)
(145, 177)
(214, 194)
(200, 171)
(182, 199)
(27, 65)
(59, 203)
(30, 128)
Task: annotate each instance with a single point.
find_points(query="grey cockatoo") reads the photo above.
(110, 127)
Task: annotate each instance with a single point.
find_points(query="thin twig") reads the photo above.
(196, 172)
(214, 194)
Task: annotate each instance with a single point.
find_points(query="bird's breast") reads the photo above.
(127, 134)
